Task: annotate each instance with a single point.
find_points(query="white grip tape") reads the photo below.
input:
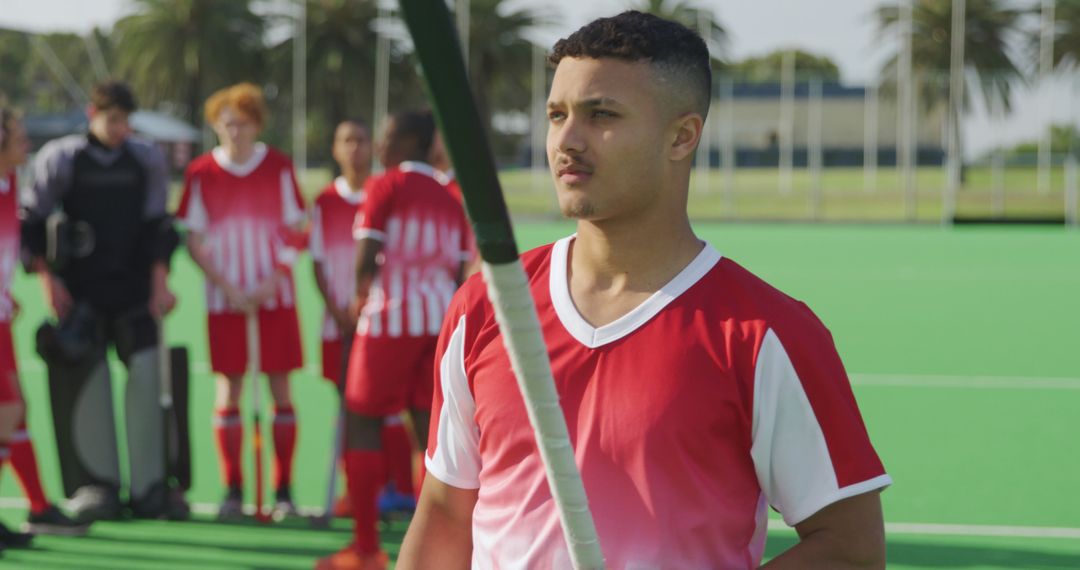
(508, 289)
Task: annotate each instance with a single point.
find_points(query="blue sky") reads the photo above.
(841, 29)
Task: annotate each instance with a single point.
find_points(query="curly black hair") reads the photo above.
(113, 94)
(637, 36)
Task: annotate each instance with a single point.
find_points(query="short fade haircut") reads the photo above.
(113, 95)
(418, 125)
(244, 98)
(674, 49)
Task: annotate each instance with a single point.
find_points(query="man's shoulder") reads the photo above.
(276, 158)
(145, 150)
(63, 148)
(735, 290)
(472, 295)
(202, 164)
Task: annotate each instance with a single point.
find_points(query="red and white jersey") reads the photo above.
(9, 243)
(425, 239)
(245, 212)
(690, 415)
(454, 188)
(331, 244)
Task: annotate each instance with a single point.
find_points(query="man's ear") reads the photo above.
(687, 130)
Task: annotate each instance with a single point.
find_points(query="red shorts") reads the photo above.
(331, 360)
(8, 376)
(388, 375)
(279, 341)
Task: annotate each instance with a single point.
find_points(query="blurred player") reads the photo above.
(333, 250)
(95, 228)
(695, 394)
(440, 159)
(243, 209)
(44, 517)
(412, 234)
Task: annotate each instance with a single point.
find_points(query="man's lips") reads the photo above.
(572, 173)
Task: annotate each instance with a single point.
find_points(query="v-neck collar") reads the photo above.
(593, 337)
(240, 170)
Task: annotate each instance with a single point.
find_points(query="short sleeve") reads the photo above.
(192, 209)
(316, 243)
(810, 447)
(453, 450)
(374, 212)
(292, 202)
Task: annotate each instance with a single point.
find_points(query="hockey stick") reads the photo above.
(165, 397)
(439, 52)
(256, 407)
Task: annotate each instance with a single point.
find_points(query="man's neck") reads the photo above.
(616, 266)
(355, 179)
(237, 154)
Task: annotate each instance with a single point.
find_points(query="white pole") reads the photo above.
(813, 146)
(539, 119)
(461, 10)
(702, 158)
(76, 92)
(997, 165)
(1046, 69)
(97, 59)
(727, 145)
(870, 136)
(382, 76)
(1071, 191)
(299, 109)
(956, 103)
(905, 152)
(787, 120)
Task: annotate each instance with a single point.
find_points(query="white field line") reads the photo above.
(895, 528)
(891, 528)
(971, 382)
(36, 368)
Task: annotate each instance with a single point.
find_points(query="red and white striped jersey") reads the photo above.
(9, 243)
(690, 415)
(425, 239)
(331, 244)
(454, 188)
(245, 212)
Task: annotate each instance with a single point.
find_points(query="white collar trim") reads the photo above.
(425, 169)
(348, 193)
(592, 337)
(240, 170)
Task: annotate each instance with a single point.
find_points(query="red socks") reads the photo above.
(364, 471)
(229, 432)
(25, 465)
(397, 453)
(284, 445)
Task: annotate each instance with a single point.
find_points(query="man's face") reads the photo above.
(16, 145)
(605, 141)
(236, 129)
(352, 148)
(110, 126)
(386, 149)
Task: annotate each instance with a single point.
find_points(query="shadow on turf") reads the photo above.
(912, 553)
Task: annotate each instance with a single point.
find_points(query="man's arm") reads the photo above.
(849, 533)
(367, 267)
(440, 534)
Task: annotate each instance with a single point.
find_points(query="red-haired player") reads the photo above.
(242, 205)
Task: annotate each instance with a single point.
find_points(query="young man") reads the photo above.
(44, 517)
(96, 229)
(243, 210)
(695, 394)
(412, 234)
(333, 251)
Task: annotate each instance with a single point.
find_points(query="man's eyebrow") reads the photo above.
(589, 103)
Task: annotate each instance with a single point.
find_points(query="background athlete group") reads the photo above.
(246, 222)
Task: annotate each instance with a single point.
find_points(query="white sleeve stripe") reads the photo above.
(790, 454)
(292, 213)
(364, 233)
(196, 218)
(456, 457)
(812, 507)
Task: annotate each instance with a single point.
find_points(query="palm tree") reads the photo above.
(1066, 34)
(689, 15)
(500, 55)
(180, 51)
(990, 24)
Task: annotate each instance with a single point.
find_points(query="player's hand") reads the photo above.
(355, 308)
(263, 292)
(16, 308)
(346, 324)
(59, 297)
(162, 302)
(237, 299)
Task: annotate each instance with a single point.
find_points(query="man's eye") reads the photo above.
(602, 114)
(556, 116)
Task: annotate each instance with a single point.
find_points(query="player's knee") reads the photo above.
(230, 387)
(279, 389)
(10, 414)
(363, 432)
